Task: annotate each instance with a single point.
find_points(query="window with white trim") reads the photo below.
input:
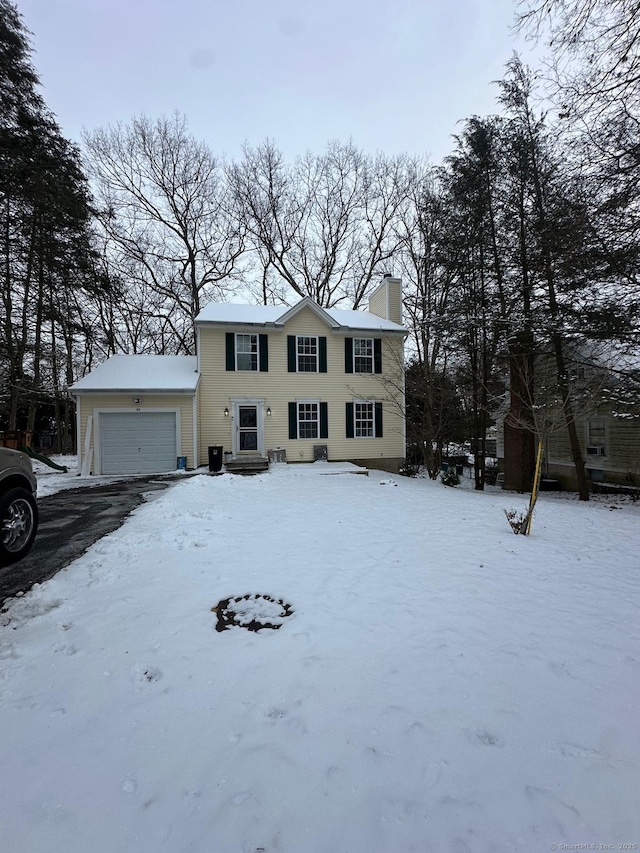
(363, 420)
(596, 437)
(363, 355)
(308, 420)
(307, 354)
(246, 352)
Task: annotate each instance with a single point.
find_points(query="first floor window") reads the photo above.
(364, 419)
(246, 352)
(308, 420)
(596, 437)
(363, 422)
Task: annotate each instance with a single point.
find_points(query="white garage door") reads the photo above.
(137, 442)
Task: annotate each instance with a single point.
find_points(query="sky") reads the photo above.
(393, 75)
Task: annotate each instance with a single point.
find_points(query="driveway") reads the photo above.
(70, 522)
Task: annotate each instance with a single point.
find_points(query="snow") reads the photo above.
(441, 685)
(227, 312)
(147, 373)
(51, 481)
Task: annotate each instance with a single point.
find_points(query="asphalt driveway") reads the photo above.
(70, 522)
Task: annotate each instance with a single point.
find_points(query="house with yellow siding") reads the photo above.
(295, 384)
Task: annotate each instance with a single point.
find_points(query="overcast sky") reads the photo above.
(394, 75)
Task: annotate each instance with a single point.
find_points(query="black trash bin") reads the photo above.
(215, 458)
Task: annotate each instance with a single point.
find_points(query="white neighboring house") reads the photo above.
(303, 383)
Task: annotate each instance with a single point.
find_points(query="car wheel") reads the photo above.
(18, 524)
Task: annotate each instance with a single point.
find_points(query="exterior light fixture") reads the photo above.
(226, 411)
(137, 400)
(268, 411)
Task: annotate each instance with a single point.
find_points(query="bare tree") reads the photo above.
(322, 226)
(163, 204)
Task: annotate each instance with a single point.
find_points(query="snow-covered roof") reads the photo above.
(274, 315)
(142, 373)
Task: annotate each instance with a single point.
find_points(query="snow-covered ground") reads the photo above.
(442, 684)
(51, 481)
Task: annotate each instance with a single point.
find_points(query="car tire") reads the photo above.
(18, 524)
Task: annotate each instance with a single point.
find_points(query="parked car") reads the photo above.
(18, 507)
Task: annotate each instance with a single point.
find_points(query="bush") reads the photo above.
(408, 468)
(450, 477)
(518, 519)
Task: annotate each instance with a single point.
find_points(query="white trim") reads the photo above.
(236, 402)
(403, 411)
(97, 456)
(78, 428)
(196, 449)
(307, 402)
(235, 351)
(371, 403)
(305, 355)
(307, 302)
(371, 372)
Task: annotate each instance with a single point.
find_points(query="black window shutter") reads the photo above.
(348, 355)
(293, 420)
(377, 355)
(291, 353)
(231, 351)
(322, 354)
(378, 419)
(263, 348)
(349, 420)
(324, 420)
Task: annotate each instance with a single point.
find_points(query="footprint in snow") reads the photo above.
(276, 713)
(485, 737)
(141, 674)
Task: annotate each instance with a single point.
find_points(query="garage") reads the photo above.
(137, 442)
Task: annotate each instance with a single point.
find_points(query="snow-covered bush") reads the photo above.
(518, 519)
(408, 468)
(450, 477)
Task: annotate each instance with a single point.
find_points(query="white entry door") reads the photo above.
(248, 432)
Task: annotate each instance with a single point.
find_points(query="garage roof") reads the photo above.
(162, 373)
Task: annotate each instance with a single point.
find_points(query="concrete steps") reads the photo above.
(247, 465)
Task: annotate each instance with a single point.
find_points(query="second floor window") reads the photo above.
(306, 354)
(362, 355)
(307, 348)
(246, 352)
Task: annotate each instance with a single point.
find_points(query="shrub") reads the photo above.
(408, 468)
(450, 477)
(518, 520)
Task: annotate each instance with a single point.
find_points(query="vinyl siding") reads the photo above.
(183, 402)
(278, 388)
(622, 461)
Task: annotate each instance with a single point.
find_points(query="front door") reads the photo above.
(248, 428)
